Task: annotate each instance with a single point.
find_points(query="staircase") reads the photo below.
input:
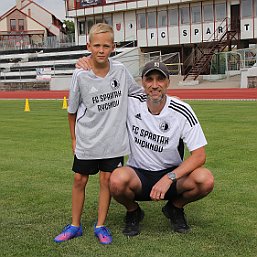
(199, 60)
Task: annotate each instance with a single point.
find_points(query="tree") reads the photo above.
(69, 26)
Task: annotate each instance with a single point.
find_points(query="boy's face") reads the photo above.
(101, 47)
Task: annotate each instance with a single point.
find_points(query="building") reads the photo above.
(28, 24)
(170, 25)
(165, 23)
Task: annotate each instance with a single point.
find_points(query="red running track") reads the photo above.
(224, 93)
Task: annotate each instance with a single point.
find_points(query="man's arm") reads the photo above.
(72, 123)
(194, 161)
(84, 63)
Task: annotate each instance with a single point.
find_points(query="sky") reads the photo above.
(56, 7)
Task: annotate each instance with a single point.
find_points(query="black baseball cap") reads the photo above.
(153, 65)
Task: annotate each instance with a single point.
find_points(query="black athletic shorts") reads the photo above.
(149, 179)
(91, 167)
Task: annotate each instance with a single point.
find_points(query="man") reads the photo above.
(158, 127)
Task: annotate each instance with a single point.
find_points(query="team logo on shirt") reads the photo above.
(164, 126)
(138, 116)
(115, 84)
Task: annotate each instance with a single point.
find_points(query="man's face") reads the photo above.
(101, 47)
(155, 84)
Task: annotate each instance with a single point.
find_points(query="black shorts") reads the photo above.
(149, 179)
(91, 167)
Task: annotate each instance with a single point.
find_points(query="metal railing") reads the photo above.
(26, 43)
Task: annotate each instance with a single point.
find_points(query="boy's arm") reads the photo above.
(72, 123)
(133, 87)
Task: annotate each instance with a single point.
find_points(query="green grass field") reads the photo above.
(36, 181)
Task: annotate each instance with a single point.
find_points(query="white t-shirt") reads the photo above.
(155, 139)
(101, 107)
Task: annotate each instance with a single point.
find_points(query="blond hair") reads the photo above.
(100, 28)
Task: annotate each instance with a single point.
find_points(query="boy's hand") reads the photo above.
(83, 63)
(73, 145)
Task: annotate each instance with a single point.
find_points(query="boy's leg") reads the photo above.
(78, 197)
(104, 197)
(101, 232)
(106, 166)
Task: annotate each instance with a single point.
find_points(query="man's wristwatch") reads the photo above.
(172, 176)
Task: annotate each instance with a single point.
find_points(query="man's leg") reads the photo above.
(195, 186)
(198, 184)
(124, 184)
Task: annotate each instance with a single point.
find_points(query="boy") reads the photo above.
(97, 115)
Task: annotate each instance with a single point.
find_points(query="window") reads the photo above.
(184, 15)
(173, 17)
(246, 8)
(141, 21)
(98, 20)
(162, 19)
(107, 20)
(13, 25)
(208, 12)
(220, 11)
(196, 14)
(89, 24)
(151, 19)
(82, 28)
(21, 24)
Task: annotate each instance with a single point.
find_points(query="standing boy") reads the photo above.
(97, 115)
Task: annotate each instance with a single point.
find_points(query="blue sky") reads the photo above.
(57, 7)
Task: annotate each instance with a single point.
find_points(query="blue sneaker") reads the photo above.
(68, 233)
(103, 234)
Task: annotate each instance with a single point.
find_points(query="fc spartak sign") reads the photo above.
(85, 3)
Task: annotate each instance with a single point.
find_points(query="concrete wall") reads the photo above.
(60, 83)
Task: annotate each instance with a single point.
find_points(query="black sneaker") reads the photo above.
(176, 217)
(132, 220)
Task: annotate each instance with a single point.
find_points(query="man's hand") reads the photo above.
(160, 188)
(83, 63)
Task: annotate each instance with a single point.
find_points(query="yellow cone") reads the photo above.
(64, 103)
(27, 109)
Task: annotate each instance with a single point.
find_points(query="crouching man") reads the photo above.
(159, 126)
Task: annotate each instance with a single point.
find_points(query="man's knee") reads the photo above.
(118, 181)
(205, 180)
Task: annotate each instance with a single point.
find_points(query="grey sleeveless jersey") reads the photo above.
(101, 107)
